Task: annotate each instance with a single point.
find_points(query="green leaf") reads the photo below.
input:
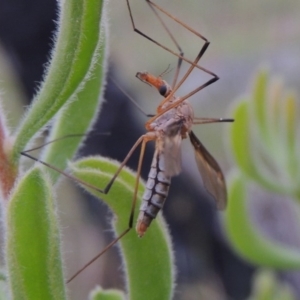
(274, 111)
(33, 249)
(290, 115)
(243, 148)
(260, 103)
(264, 287)
(290, 139)
(78, 116)
(148, 261)
(99, 294)
(72, 58)
(247, 239)
(268, 287)
(240, 141)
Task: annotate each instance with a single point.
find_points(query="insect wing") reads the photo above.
(172, 148)
(212, 176)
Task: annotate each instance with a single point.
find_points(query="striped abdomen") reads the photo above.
(157, 188)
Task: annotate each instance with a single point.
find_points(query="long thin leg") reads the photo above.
(179, 61)
(193, 64)
(131, 216)
(108, 186)
(99, 254)
(175, 104)
(143, 139)
(186, 75)
(164, 47)
(181, 54)
(55, 140)
(62, 138)
(197, 121)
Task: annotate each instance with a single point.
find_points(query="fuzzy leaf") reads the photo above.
(76, 43)
(33, 249)
(260, 103)
(290, 139)
(148, 262)
(247, 239)
(240, 140)
(243, 148)
(78, 116)
(99, 294)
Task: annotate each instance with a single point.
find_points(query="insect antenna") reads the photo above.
(132, 100)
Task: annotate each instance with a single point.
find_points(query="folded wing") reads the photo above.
(172, 148)
(212, 176)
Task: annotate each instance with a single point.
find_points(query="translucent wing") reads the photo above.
(172, 148)
(211, 173)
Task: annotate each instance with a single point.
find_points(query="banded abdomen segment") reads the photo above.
(157, 188)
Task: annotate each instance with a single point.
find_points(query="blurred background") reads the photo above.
(244, 36)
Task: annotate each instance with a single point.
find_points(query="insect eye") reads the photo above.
(163, 90)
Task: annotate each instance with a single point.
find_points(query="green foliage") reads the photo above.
(99, 294)
(73, 59)
(69, 99)
(267, 287)
(148, 261)
(77, 117)
(32, 241)
(263, 142)
(70, 93)
(250, 242)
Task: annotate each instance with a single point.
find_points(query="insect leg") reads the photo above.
(108, 186)
(99, 254)
(210, 120)
(175, 104)
(145, 138)
(179, 55)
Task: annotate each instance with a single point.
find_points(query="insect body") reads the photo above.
(168, 130)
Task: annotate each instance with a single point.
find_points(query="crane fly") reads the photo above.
(167, 128)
